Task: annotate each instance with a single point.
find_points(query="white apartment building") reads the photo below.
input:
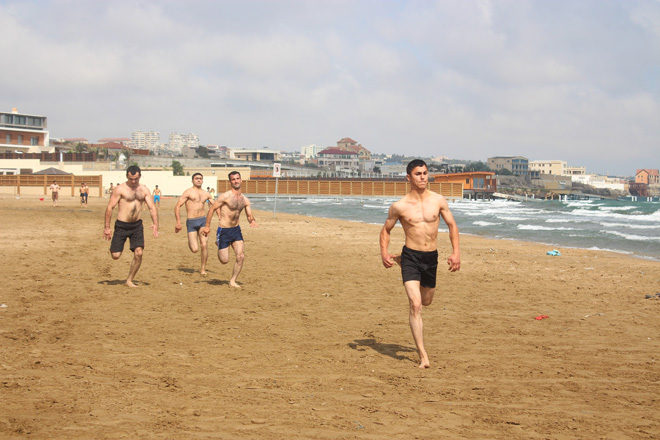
(311, 151)
(576, 171)
(145, 140)
(554, 167)
(177, 141)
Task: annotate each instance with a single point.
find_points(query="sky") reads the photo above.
(572, 80)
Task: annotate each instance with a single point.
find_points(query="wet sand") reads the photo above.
(316, 345)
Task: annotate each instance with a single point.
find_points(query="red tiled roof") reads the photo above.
(347, 140)
(651, 172)
(336, 150)
(113, 146)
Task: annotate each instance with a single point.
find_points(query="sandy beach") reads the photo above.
(316, 345)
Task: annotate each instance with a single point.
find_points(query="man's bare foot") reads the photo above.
(129, 284)
(424, 363)
(397, 259)
(233, 284)
(202, 272)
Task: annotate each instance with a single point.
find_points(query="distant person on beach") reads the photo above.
(157, 194)
(129, 196)
(195, 199)
(55, 192)
(229, 206)
(111, 189)
(419, 212)
(84, 193)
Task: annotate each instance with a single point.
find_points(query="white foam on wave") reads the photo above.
(629, 225)
(483, 223)
(512, 218)
(543, 228)
(631, 236)
(653, 217)
(616, 208)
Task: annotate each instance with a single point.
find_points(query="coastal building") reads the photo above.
(310, 151)
(647, 176)
(145, 140)
(23, 133)
(339, 160)
(602, 182)
(263, 154)
(477, 184)
(576, 171)
(518, 165)
(554, 167)
(349, 144)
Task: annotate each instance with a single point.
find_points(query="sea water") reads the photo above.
(621, 226)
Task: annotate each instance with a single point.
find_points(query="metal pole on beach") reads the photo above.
(277, 168)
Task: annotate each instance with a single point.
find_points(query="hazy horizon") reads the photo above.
(577, 81)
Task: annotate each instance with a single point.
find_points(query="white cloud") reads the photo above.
(466, 78)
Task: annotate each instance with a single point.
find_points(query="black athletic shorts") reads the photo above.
(419, 266)
(124, 230)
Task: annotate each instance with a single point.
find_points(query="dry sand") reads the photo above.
(316, 345)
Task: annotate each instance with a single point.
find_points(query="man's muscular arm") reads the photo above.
(392, 218)
(177, 210)
(152, 209)
(209, 216)
(248, 213)
(112, 203)
(454, 260)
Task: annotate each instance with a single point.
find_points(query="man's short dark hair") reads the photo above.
(234, 172)
(196, 174)
(414, 164)
(133, 169)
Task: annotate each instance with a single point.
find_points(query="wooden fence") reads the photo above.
(33, 181)
(374, 188)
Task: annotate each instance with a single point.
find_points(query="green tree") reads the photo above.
(203, 152)
(177, 168)
(476, 166)
(504, 172)
(79, 147)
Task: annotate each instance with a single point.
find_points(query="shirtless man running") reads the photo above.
(55, 190)
(229, 206)
(129, 196)
(195, 199)
(419, 212)
(157, 194)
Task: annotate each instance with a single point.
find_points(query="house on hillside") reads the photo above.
(351, 145)
(339, 160)
(647, 176)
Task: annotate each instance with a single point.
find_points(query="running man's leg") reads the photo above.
(239, 250)
(193, 241)
(135, 265)
(197, 241)
(417, 297)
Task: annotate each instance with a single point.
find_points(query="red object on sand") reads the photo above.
(42, 199)
(540, 317)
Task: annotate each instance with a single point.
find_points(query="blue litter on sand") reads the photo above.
(554, 253)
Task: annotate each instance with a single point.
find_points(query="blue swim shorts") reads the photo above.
(226, 236)
(156, 198)
(194, 224)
